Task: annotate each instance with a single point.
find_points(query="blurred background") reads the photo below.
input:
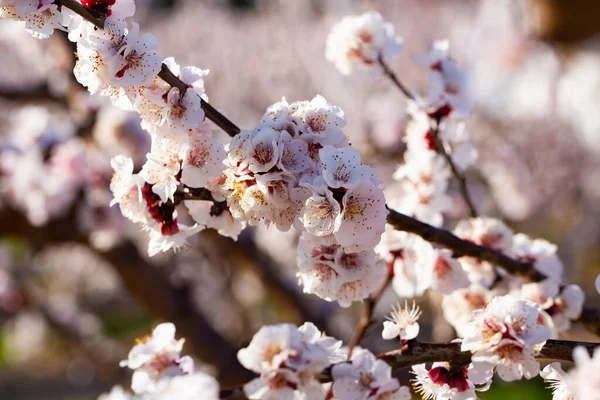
(76, 286)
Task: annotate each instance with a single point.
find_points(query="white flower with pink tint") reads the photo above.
(356, 43)
(566, 307)
(205, 213)
(507, 335)
(447, 273)
(127, 190)
(141, 62)
(194, 386)
(408, 256)
(402, 323)
(170, 237)
(444, 382)
(183, 111)
(287, 359)
(342, 167)
(326, 270)
(202, 161)
(157, 357)
(539, 252)
(362, 221)
(459, 305)
(366, 378)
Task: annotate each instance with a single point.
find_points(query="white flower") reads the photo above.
(163, 166)
(507, 334)
(443, 382)
(539, 252)
(598, 283)
(175, 237)
(557, 378)
(202, 212)
(366, 378)
(192, 76)
(183, 112)
(287, 359)
(362, 220)
(326, 270)
(319, 215)
(127, 190)
(141, 63)
(342, 167)
(41, 23)
(488, 232)
(410, 258)
(202, 161)
(448, 274)
(157, 357)
(356, 43)
(567, 307)
(262, 149)
(402, 322)
(459, 305)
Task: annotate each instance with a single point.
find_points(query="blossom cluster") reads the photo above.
(297, 169)
(160, 372)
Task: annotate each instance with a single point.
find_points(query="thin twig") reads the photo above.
(390, 74)
(458, 175)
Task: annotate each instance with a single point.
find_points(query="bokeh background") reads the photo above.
(76, 286)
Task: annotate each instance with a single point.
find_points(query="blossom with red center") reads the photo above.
(507, 336)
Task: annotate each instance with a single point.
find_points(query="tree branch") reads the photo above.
(415, 352)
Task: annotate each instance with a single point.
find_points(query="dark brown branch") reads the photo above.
(462, 247)
(414, 352)
(390, 74)
(165, 74)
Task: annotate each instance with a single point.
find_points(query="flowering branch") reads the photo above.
(439, 146)
(165, 74)
(415, 352)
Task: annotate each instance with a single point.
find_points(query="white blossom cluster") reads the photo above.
(119, 63)
(436, 125)
(160, 372)
(297, 169)
(356, 43)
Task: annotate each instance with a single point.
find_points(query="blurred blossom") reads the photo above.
(26, 336)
